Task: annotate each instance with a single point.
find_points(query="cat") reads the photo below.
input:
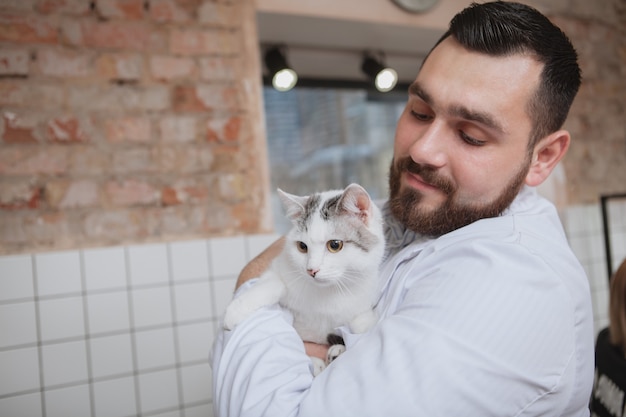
(327, 272)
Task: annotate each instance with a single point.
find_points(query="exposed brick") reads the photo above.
(67, 194)
(14, 61)
(120, 9)
(113, 225)
(85, 160)
(186, 159)
(201, 42)
(224, 129)
(31, 94)
(128, 129)
(26, 29)
(227, 158)
(65, 129)
(132, 193)
(205, 98)
(180, 220)
(64, 63)
(218, 218)
(33, 160)
(120, 66)
(185, 99)
(219, 97)
(245, 217)
(123, 35)
(134, 160)
(178, 129)
(19, 195)
(18, 129)
(66, 7)
(118, 98)
(170, 11)
(19, 6)
(233, 187)
(169, 197)
(12, 236)
(47, 229)
(168, 67)
(220, 14)
(71, 32)
(219, 68)
(155, 98)
(185, 191)
(159, 39)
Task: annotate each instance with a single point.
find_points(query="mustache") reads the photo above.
(427, 173)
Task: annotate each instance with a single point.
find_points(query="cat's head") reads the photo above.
(336, 235)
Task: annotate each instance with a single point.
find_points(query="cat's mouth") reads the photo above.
(322, 281)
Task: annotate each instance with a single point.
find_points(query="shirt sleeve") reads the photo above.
(457, 343)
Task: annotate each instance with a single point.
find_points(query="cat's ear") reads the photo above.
(356, 200)
(293, 204)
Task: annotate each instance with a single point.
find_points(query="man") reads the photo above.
(484, 310)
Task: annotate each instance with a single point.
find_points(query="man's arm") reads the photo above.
(258, 265)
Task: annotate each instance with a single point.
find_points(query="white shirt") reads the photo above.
(493, 319)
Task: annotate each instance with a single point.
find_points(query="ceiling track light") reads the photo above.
(385, 78)
(283, 77)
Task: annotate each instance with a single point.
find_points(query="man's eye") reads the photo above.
(422, 117)
(302, 247)
(470, 140)
(334, 245)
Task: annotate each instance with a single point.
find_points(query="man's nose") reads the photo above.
(429, 147)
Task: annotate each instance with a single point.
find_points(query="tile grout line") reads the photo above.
(175, 331)
(133, 336)
(83, 275)
(35, 278)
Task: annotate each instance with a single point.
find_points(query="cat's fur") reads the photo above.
(323, 287)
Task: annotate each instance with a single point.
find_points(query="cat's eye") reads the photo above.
(334, 245)
(302, 247)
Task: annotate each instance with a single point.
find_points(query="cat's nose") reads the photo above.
(312, 272)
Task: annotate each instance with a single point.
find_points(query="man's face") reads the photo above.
(461, 146)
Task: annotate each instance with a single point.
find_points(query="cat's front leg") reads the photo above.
(267, 291)
(363, 321)
(318, 365)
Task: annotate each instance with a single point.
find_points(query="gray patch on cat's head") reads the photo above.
(355, 232)
(310, 208)
(330, 207)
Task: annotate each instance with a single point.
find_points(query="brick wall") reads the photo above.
(128, 121)
(597, 121)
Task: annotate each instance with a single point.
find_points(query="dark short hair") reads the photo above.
(504, 28)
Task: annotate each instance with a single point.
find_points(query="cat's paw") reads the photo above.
(363, 322)
(236, 312)
(318, 365)
(333, 353)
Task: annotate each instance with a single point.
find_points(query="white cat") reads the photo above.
(327, 273)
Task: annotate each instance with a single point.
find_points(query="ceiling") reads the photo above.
(333, 48)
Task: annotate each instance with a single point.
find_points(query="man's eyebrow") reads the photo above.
(460, 111)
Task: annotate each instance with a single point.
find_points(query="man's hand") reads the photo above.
(258, 265)
(316, 350)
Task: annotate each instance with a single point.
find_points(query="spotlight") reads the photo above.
(385, 79)
(283, 77)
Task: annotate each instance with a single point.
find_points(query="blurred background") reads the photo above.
(141, 143)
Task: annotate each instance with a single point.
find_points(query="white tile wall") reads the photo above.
(115, 332)
(126, 331)
(584, 229)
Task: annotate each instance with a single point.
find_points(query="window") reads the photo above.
(326, 138)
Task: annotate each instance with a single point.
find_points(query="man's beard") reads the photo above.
(451, 214)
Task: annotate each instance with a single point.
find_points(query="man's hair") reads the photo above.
(505, 28)
(617, 308)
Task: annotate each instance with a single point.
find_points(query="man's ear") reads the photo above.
(546, 155)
